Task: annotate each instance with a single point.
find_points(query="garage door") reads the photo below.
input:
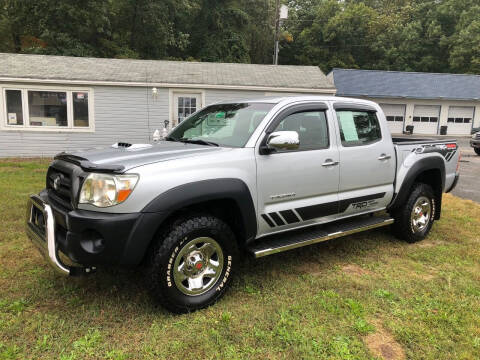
(425, 119)
(395, 117)
(460, 120)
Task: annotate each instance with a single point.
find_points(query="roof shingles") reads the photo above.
(66, 68)
(397, 84)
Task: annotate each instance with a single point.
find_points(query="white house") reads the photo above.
(431, 103)
(50, 104)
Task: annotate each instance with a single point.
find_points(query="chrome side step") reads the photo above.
(297, 238)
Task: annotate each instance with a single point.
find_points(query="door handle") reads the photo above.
(384, 157)
(330, 162)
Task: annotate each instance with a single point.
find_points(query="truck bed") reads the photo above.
(417, 140)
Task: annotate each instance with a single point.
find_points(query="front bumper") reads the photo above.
(41, 231)
(475, 143)
(75, 241)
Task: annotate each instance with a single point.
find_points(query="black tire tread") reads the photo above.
(401, 227)
(477, 151)
(160, 252)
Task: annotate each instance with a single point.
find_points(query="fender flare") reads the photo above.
(420, 166)
(206, 190)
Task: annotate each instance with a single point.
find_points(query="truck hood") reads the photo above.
(140, 154)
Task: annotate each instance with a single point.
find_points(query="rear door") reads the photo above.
(367, 159)
(299, 187)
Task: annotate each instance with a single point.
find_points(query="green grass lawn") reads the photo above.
(350, 298)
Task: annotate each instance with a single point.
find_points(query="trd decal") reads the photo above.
(364, 204)
(344, 204)
(446, 150)
(321, 210)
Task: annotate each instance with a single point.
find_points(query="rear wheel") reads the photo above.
(477, 150)
(415, 218)
(192, 263)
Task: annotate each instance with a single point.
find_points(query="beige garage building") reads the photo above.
(431, 103)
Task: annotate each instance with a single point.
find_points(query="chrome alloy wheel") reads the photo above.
(421, 213)
(198, 266)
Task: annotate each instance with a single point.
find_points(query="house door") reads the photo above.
(185, 104)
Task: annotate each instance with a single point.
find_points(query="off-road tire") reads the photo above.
(169, 244)
(403, 227)
(477, 151)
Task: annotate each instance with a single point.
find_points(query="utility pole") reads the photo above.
(277, 28)
(281, 13)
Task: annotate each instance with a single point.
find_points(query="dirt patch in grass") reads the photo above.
(430, 243)
(355, 270)
(382, 344)
(311, 268)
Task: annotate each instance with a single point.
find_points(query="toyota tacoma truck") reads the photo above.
(241, 177)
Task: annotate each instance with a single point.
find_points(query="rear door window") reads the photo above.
(358, 127)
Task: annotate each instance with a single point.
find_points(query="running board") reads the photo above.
(297, 238)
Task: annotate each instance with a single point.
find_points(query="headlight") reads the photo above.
(105, 190)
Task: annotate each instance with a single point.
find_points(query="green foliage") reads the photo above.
(409, 35)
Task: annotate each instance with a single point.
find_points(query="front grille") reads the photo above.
(477, 136)
(63, 181)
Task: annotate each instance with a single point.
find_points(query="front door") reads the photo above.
(367, 161)
(299, 187)
(185, 104)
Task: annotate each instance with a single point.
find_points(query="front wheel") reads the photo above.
(192, 263)
(415, 218)
(477, 151)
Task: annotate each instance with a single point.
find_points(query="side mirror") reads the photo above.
(282, 140)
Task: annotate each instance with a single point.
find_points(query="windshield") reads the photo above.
(222, 124)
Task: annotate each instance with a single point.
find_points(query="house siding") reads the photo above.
(120, 113)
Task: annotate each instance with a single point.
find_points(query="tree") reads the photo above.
(220, 32)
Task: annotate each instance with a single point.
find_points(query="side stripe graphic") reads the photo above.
(289, 216)
(316, 211)
(278, 220)
(268, 221)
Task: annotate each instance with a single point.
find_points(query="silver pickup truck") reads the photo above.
(259, 177)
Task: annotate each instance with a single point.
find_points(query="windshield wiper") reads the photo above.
(197, 141)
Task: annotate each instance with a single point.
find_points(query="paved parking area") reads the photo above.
(468, 186)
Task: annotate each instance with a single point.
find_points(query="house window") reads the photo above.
(186, 107)
(47, 108)
(80, 109)
(37, 109)
(14, 107)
